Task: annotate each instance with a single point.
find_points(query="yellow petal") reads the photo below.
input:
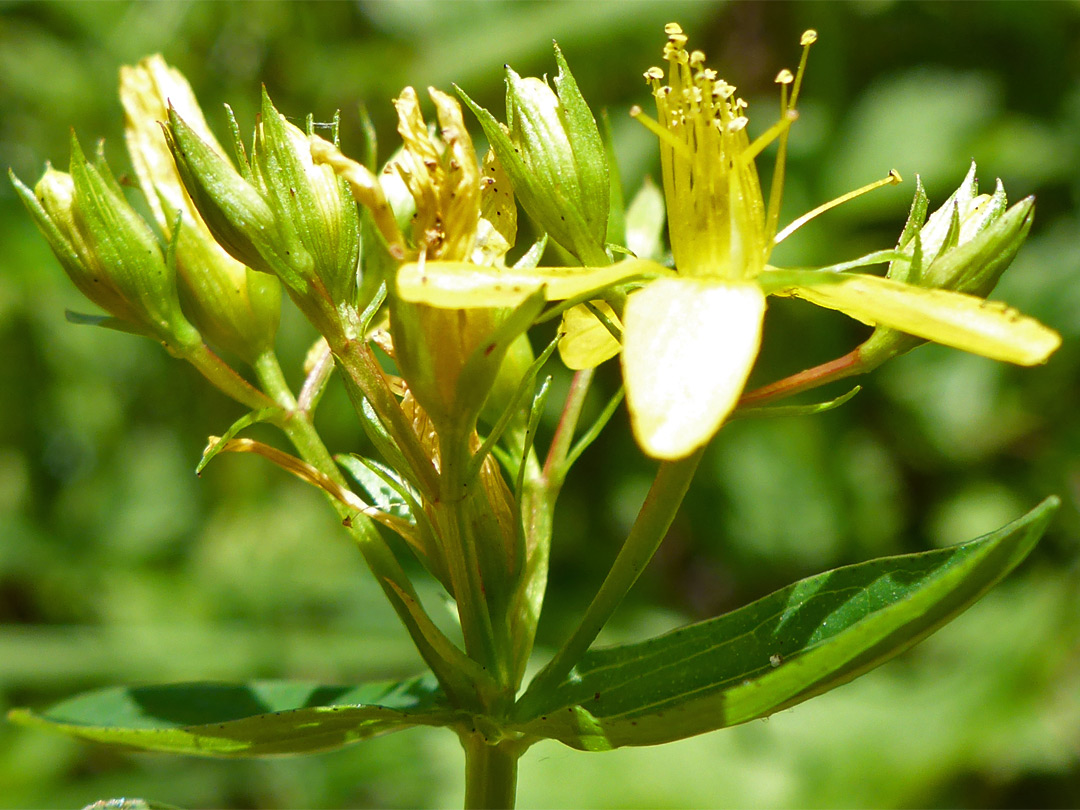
(586, 343)
(988, 328)
(459, 285)
(688, 347)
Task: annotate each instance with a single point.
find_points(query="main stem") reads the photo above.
(378, 556)
(490, 772)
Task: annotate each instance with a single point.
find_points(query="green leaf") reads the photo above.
(129, 804)
(386, 496)
(795, 410)
(247, 420)
(799, 642)
(244, 720)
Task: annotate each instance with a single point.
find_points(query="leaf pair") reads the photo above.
(794, 644)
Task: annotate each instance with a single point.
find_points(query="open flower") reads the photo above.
(690, 338)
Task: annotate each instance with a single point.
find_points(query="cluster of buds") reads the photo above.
(281, 213)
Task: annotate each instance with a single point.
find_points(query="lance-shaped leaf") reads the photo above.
(799, 642)
(306, 472)
(262, 718)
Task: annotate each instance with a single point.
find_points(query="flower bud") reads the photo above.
(108, 250)
(964, 246)
(232, 305)
(552, 151)
(233, 209)
(315, 209)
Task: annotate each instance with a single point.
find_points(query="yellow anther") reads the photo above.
(697, 59)
(785, 76)
(809, 37)
(675, 28)
(654, 74)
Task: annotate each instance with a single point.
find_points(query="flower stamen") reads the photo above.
(784, 78)
(777, 130)
(892, 179)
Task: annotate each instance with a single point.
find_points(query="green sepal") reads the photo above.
(480, 371)
(513, 405)
(976, 265)
(905, 268)
(555, 160)
(321, 226)
(239, 152)
(104, 321)
(591, 154)
(122, 248)
(233, 209)
(792, 645)
(70, 249)
(616, 229)
(262, 718)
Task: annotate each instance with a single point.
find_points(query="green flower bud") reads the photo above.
(552, 151)
(964, 246)
(108, 250)
(232, 208)
(314, 207)
(233, 306)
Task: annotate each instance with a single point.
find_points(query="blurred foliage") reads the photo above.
(118, 565)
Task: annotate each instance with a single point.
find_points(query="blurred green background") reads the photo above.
(118, 565)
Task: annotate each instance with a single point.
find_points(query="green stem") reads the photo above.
(298, 426)
(539, 492)
(222, 376)
(490, 772)
(355, 359)
(663, 501)
(463, 557)
(554, 465)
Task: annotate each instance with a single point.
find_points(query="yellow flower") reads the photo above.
(690, 338)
